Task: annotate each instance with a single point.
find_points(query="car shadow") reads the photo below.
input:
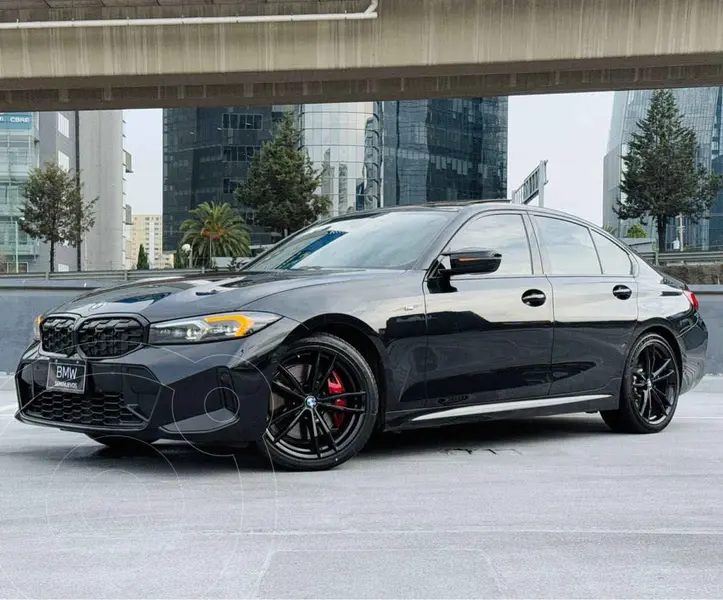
(493, 436)
(184, 459)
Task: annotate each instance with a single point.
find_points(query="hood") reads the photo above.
(177, 298)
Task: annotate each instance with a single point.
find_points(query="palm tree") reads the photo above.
(215, 230)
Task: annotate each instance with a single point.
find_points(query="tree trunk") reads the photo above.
(78, 257)
(660, 225)
(52, 257)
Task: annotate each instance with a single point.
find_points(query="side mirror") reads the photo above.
(473, 261)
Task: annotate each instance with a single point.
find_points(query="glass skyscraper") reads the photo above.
(206, 156)
(442, 150)
(368, 154)
(19, 152)
(344, 142)
(701, 110)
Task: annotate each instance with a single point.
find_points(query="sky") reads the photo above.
(568, 130)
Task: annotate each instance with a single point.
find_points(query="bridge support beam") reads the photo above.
(414, 49)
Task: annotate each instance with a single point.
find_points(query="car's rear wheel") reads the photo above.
(121, 443)
(650, 388)
(323, 405)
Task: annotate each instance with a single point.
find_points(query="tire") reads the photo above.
(649, 390)
(323, 405)
(121, 443)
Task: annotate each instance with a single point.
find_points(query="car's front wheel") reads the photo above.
(650, 388)
(323, 405)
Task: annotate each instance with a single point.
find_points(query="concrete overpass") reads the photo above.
(83, 54)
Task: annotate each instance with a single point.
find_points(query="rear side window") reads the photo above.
(614, 260)
(505, 234)
(568, 247)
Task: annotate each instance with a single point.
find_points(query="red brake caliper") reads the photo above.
(336, 387)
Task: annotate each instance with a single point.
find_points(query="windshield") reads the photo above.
(392, 240)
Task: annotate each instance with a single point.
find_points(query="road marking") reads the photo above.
(699, 418)
(8, 409)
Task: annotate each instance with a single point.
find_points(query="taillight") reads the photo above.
(692, 298)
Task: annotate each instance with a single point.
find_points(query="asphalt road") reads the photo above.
(550, 507)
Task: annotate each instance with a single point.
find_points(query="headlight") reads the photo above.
(36, 327)
(210, 328)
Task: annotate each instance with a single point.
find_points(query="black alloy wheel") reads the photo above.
(323, 405)
(650, 388)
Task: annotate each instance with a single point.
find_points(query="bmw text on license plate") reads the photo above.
(66, 375)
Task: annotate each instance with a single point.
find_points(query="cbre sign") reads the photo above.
(16, 120)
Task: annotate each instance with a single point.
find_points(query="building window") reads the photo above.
(240, 121)
(230, 185)
(63, 125)
(64, 161)
(238, 153)
(9, 267)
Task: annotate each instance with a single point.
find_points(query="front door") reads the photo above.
(596, 306)
(490, 336)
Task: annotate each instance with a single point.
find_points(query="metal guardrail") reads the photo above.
(667, 258)
(133, 275)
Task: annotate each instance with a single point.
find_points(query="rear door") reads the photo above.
(490, 335)
(595, 304)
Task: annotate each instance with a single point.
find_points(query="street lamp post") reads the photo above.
(17, 237)
(187, 249)
(17, 244)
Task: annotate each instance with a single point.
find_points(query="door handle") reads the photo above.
(623, 292)
(534, 298)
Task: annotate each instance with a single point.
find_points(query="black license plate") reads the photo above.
(67, 376)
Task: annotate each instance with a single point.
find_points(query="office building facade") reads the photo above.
(344, 143)
(19, 152)
(30, 140)
(368, 154)
(702, 112)
(104, 164)
(206, 156)
(444, 150)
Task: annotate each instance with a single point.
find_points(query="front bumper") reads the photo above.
(206, 393)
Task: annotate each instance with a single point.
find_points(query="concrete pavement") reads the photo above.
(549, 507)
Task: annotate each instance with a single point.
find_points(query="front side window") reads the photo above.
(505, 234)
(568, 247)
(392, 240)
(614, 260)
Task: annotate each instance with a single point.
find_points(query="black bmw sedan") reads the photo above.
(382, 320)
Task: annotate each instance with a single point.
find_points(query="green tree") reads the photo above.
(636, 231)
(52, 203)
(662, 177)
(282, 182)
(142, 262)
(215, 230)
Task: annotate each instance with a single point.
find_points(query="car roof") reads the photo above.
(468, 208)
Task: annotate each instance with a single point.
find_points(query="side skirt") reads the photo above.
(534, 407)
